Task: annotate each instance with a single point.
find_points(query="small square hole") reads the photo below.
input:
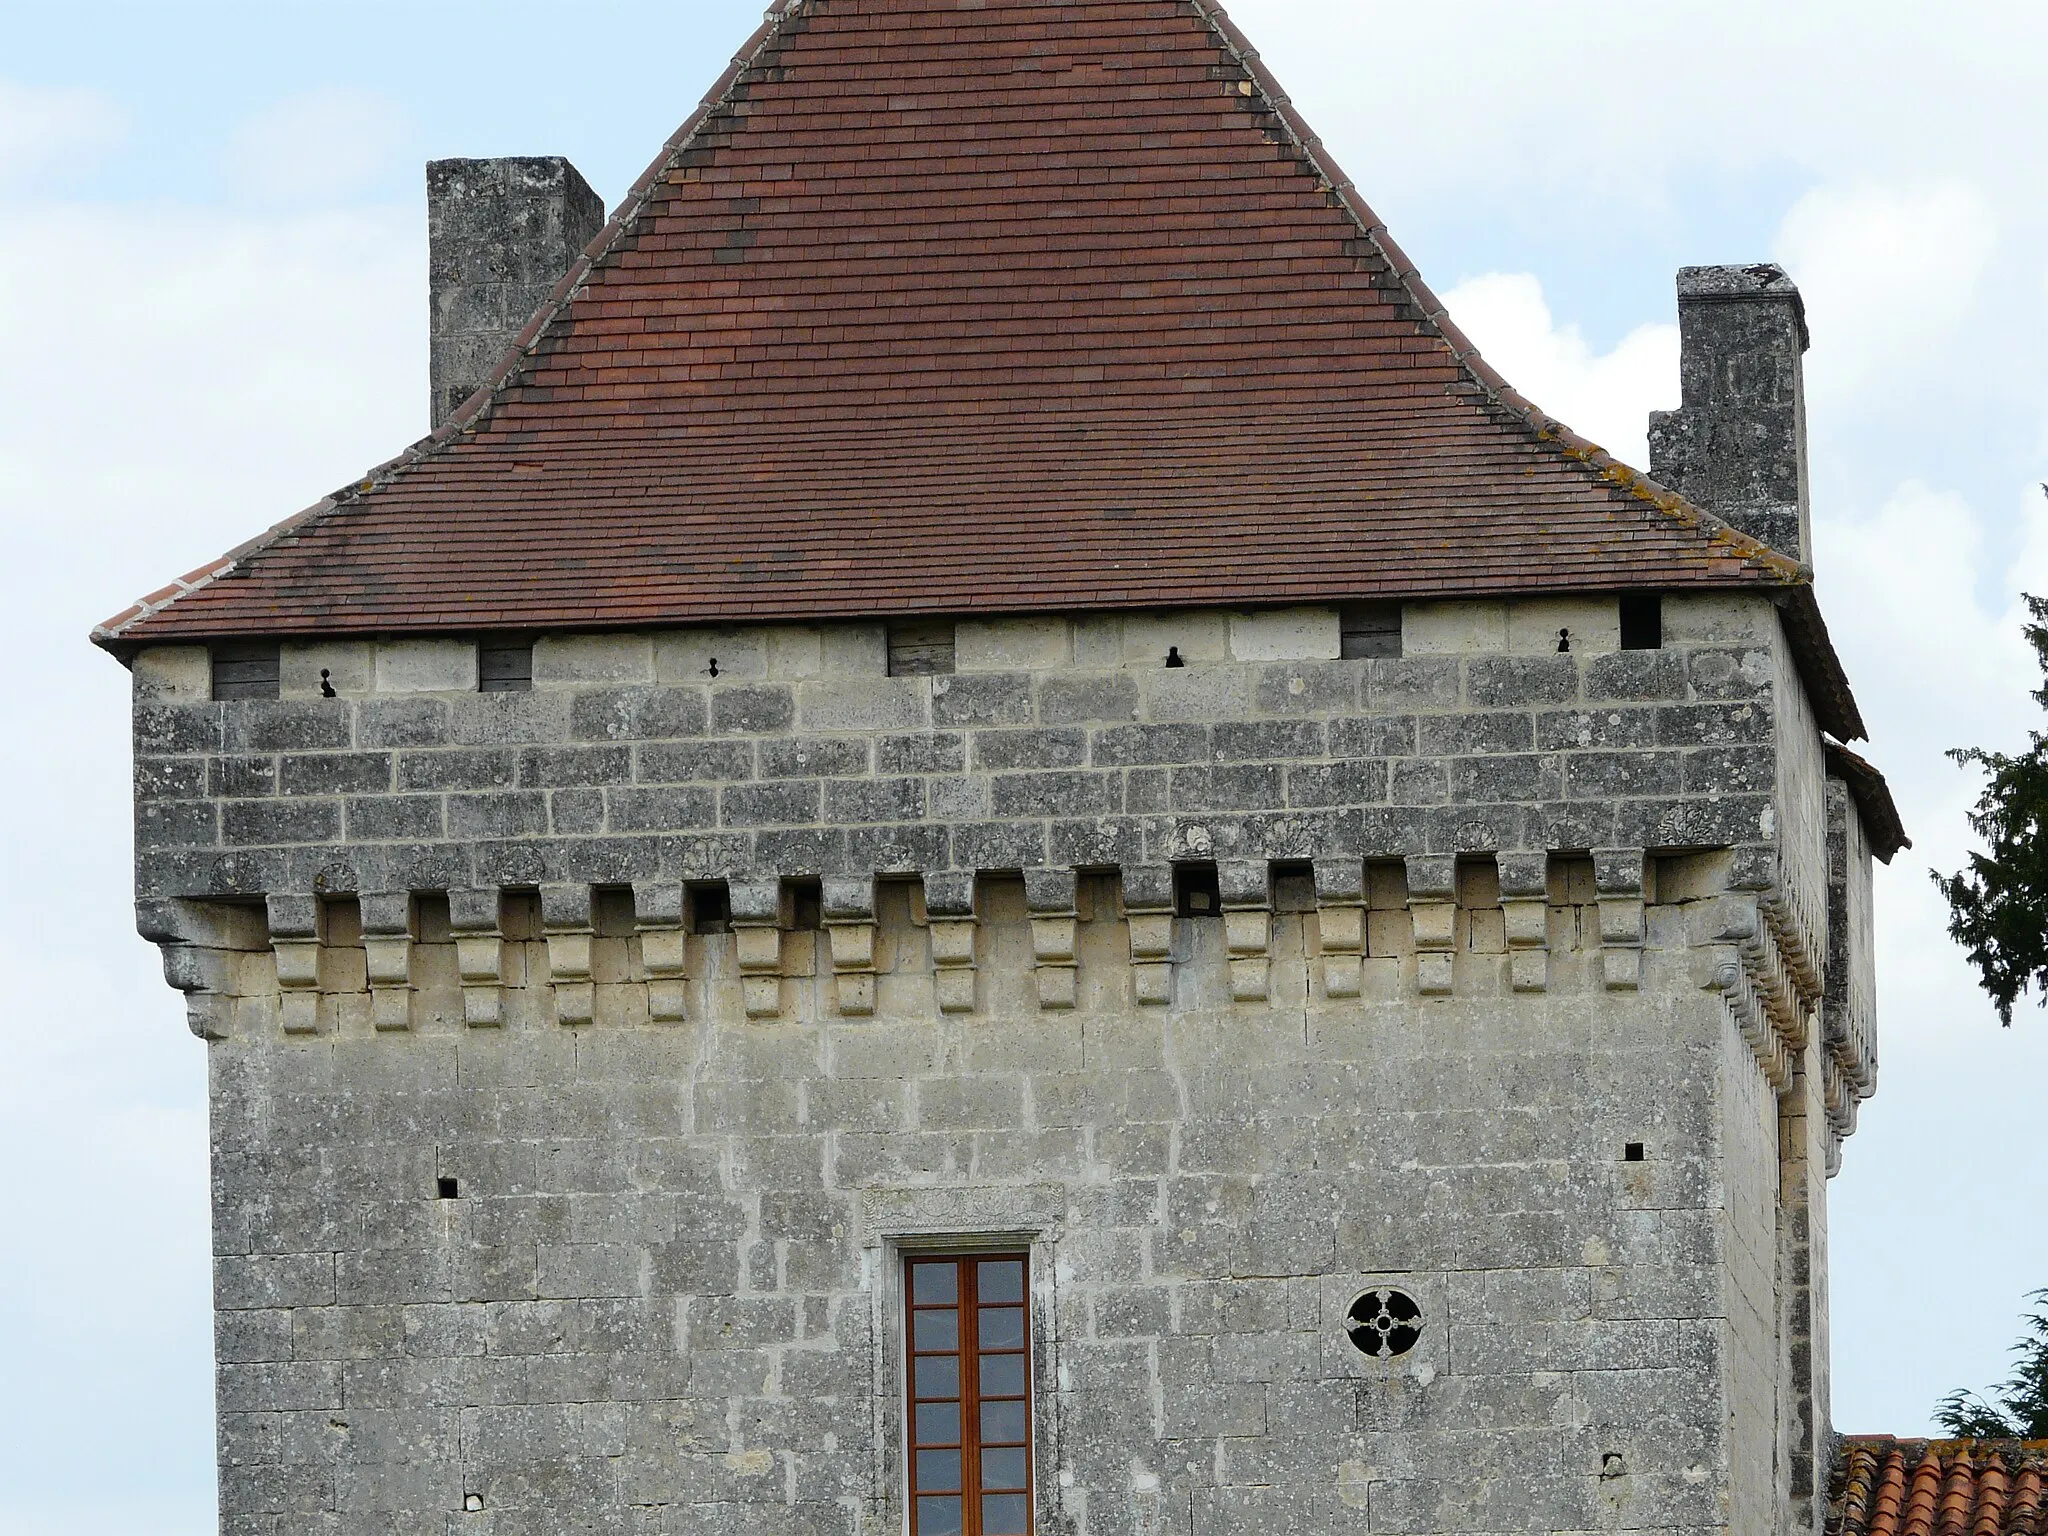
(806, 906)
(1195, 891)
(1642, 621)
(1632, 1153)
(1294, 887)
(710, 909)
(447, 1189)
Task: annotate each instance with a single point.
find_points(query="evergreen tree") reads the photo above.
(1998, 907)
(2015, 1409)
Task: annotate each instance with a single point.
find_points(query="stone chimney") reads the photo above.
(1737, 444)
(500, 234)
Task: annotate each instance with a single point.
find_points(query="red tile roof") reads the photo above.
(1874, 804)
(932, 309)
(1887, 1487)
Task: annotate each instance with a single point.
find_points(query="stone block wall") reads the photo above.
(585, 1060)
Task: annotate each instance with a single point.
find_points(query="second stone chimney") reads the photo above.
(500, 234)
(1737, 443)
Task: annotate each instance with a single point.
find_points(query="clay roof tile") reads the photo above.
(1032, 306)
(1889, 1487)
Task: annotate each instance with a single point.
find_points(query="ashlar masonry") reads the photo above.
(775, 956)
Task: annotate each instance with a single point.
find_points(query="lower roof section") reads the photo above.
(1889, 1487)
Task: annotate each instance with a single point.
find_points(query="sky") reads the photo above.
(212, 289)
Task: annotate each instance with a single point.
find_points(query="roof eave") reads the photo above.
(1882, 825)
(1817, 660)
(472, 411)
(1820, 668)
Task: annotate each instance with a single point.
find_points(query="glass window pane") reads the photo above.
(1003, 1469)
(935, 1330)
(1001, 1327)
(1001, 1375)
(935, 1282)
(939, 1423)
(938, 1470)
(1002, 1514)
(938, 1375)
(939, 1517)
(1002, 1423)
(1000, 1280)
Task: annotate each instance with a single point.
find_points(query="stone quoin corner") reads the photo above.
(989, 843)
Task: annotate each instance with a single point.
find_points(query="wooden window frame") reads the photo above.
(504, 664)
(1368, 630)
(921, 648)
(245, 669)
(972, 1313)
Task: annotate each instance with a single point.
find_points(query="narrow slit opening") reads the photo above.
(1196, 891)
(710, 908)
(806, 905)
(1642, 621)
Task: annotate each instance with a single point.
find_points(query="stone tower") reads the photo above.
(995, 845)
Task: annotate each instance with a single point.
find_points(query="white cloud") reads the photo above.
(1604, 396)
(1615, 100)
(42, 128)
(1926, 616)
(192, 378)
(200, 376)
(318, 149)
(1882, 305)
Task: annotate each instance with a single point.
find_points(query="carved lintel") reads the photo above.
(664, 948)
(565, 917)
(387, 951)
